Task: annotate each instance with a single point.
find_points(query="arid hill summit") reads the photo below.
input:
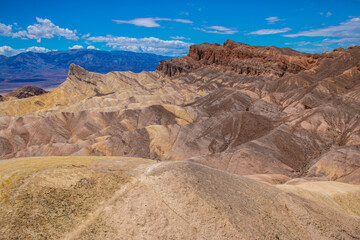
(224, 123)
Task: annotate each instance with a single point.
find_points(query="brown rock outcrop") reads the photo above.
(26, 91)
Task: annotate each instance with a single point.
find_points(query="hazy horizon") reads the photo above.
(169, 28)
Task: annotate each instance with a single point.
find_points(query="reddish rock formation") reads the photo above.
(241, 58)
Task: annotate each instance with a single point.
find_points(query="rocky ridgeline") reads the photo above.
(241, 58)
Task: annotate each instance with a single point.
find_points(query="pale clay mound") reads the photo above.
(132, 198)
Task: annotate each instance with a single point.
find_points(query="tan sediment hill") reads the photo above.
(341, 164)
(84, 90)
(132, 198)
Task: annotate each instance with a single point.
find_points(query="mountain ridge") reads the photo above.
(48, 70)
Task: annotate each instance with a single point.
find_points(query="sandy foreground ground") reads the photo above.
(134, 198)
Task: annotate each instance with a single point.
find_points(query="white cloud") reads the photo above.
(43, 29)
(5, 30)
(343, 42)
(92, 48)
(38, 49)
(272, 20)
(9, 51)
(336, 42)
(76, 47)
(302, 43)
(150, 22)
(218, 30)
(179, 38)
(269, 31)
(146, 45)
(350, 28)
(324, 45)
(180, 20)
(314, 50)
(85, 36)
(143, 22)
(46, 29)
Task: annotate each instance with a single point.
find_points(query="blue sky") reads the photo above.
(170, 27)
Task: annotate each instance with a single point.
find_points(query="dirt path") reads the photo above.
(74, 234)
(93, 216)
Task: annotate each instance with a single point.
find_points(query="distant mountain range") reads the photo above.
(47, 70)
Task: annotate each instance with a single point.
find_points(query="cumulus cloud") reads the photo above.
(269, 31)
(76, 47)
(43, 29)
(92, 48)
(46, 29)
(350, 28)
(150, 22)
(272, 20)
(218, 30)
(9, 51)
(5, 30)
(38, 49)
(146, 45)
